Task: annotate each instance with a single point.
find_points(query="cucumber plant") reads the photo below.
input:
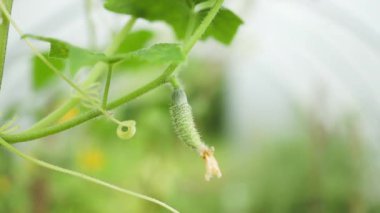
(191, 21)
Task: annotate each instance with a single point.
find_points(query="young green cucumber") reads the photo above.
(184, 126)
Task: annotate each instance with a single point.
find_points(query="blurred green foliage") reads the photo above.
(316, 171)
(311, 172)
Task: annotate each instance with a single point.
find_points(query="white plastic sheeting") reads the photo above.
(319, 56)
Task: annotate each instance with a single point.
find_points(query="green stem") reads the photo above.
(91, 28)
(203, 26)
(38, 133)
(117, 41)
(175, 82)
(4, 29)
(82, 176)
(98, 69)
(119, 38)
(190, 26)
(165, 77)
(107, 86)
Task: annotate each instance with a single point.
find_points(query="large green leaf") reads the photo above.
(177, 14)
(174, 12)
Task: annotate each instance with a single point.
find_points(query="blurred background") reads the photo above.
(292, 108)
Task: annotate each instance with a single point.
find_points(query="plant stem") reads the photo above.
(38, 133)
(82, 176)
(117, 41)
(175, 82)
(203, 26)
(98, 69)
(91, 28)
(162, 79)
(119, 38)
(190, 25)
(107, 86)
(4, 29)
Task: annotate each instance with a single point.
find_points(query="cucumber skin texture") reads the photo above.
(183, 122)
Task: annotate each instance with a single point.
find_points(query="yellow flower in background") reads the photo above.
(69, 115)
(5, 184)
(91, 160)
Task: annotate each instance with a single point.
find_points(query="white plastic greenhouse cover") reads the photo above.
(321, 57)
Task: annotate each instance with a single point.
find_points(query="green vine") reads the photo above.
(83, 176)
(4, 28)
(107, 86)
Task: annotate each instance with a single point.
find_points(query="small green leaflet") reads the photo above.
(135, 40)
(132, 42)
(160, 53)
(177, 14)
(78, 57)
(224, 27)
(156, 54)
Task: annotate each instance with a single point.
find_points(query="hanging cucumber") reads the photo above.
(184, 126)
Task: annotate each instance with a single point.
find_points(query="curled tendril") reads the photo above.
(9, 126)
(126, 129)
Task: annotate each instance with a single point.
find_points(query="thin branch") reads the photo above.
(91, 27)
(4, 29)
(107, 86)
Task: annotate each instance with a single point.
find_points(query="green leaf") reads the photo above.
(224, 27)
(174, 12)
(134, 41)
(41, 74)
(157, 54)
(77, 57)
(177, 14)
(58, 49)
(160, 53)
